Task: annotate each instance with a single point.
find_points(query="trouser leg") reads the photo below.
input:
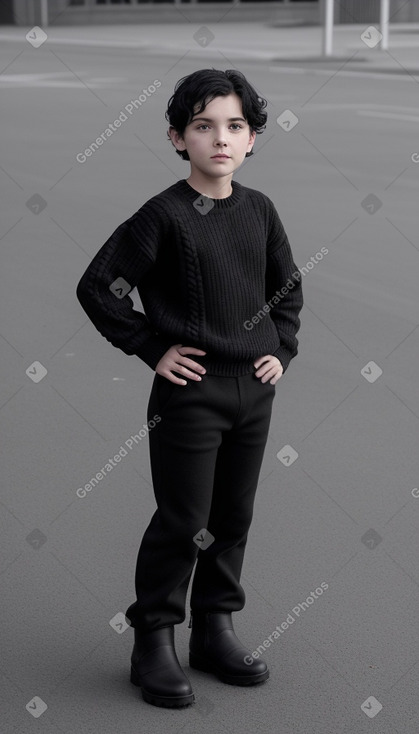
(183, 452)
(187, 465)
(216, 583)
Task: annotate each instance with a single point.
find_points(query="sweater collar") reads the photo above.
(192, 194)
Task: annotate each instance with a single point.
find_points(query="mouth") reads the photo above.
(221, 156)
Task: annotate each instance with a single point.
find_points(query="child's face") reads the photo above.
(217, 133)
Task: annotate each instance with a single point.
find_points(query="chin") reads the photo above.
(211, 173)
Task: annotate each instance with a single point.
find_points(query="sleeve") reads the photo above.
(283, 289)
(122, 262)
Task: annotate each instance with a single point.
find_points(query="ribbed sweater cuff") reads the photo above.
(284, 357)
(153, 350)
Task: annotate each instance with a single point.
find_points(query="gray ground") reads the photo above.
(344, 513)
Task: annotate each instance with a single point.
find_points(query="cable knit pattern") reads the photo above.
(209, 273)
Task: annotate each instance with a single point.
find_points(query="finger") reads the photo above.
(188, 373)
(277, 377)
(264, 369)
(191, 350)
(192, 364)
(268, 375)
(172, 378)
(175, 380)
(261, 361)
(179, 367)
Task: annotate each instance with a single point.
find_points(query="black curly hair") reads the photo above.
(201, 87)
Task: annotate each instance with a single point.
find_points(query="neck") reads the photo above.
(214, 188)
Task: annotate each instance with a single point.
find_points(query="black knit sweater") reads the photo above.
(209, 273)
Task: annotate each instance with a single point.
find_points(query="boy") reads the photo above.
(207, 255)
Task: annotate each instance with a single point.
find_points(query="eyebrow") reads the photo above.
(207, 119)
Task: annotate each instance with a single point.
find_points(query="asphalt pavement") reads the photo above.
(333, 547)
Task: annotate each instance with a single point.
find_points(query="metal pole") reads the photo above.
(384, 18)
(44, 13)
(327, 27)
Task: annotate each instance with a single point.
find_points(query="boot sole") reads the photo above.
(235, 680)
(164, 701)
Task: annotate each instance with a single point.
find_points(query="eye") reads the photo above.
(236, 124)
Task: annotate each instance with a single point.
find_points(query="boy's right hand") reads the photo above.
(174, 359)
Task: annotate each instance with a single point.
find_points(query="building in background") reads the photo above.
(284, 12)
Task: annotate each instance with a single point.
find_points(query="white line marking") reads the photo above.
(389, 115)
(357, 106)
(328, 72)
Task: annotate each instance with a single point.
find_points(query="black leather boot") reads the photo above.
(214, 648)
(155, 668)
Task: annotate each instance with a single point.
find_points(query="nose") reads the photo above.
(219, 139)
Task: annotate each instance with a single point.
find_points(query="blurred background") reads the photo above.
(338, 497)
(139, 11)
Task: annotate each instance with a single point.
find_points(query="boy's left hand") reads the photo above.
(271, 368)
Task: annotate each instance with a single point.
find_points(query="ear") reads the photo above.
(252, 139)
(176, 138)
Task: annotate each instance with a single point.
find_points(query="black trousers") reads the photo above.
(205, 454)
